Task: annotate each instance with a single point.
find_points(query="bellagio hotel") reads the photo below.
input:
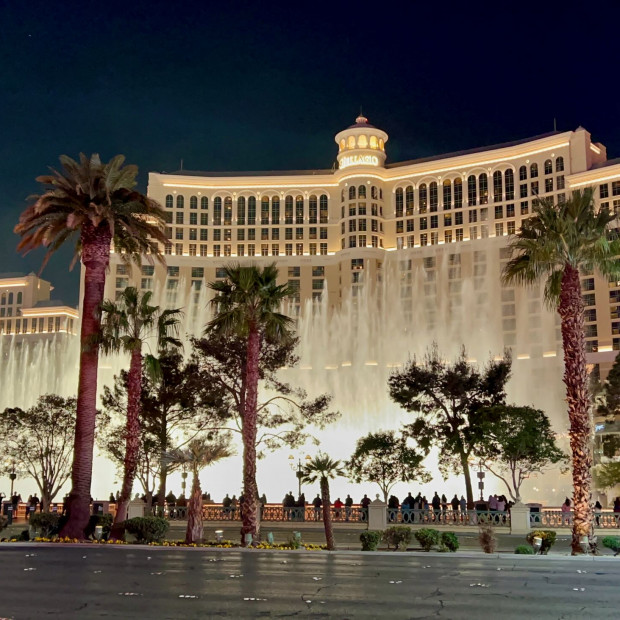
(333, 230)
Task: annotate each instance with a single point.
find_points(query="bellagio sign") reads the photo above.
(358, 160)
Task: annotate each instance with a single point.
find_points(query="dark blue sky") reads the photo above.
(266, 85)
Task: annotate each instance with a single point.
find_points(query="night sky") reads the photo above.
(265, 86)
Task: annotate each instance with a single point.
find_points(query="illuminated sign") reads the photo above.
(358, 160)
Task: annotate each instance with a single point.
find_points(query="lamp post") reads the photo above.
(298, 468)
(184, 483)
(481, 476)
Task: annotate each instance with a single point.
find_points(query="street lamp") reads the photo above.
(481, 476)
(298, 468)
(184, 483)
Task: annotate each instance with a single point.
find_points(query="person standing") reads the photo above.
(365, 503)
(436, 503)
(348, 507)
(317, 503)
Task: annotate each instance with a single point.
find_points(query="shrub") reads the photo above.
(524, 550)
(448, 542)
(398, 536)
(105, 521)
(548, 539)
(4, 521)
(370, 540)
(47, 524)
(427, 537)
(613, 543)
(147, 529)
(487, 538)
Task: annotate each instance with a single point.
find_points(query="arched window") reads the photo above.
(288, 210)
(312, 209)
(3, 301)
(399, 202)
(180, 202)
(324, 209)
(169, 201)
(352, 192)
(264, 210)
(433, 196)
(299, 210)
(509, 184)
(227, 210)
(342, 144)
(423, 197)
(361, 191)
(204, 203)
(362, 142)
(548, 166)
(533, 171)
(373, 192)
(10, 299)
(240, 210)
(483, 188)
(251, 211)
(19, 298)
(458, 194)
(409, 199)
(275, 210)
(497, 186)
(559, 164)
(523, 173)
(373, 142)
(217, 211)
(193, 202)
(471, 190)
(351, 142)
(447, 195)
(381, 144)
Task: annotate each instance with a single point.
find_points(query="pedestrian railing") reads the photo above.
(277, 512)
(559, 518)
(448, 517)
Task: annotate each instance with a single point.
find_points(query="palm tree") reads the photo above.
(92, 204)
(126, 326)
(246, 305)
(199, 454)
(555, 244)
(322, 468)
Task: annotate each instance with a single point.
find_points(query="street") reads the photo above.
(153, 582)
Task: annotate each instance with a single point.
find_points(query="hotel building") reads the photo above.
(27, 312)
(333, 230)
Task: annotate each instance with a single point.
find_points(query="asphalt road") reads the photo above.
(154, 583)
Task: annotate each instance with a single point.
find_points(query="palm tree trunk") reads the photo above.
(327, 514)
(163, 478)
(249, 505)
(195, 531)
(468, 488)
(95, 257)
(576, 380)
(132, 440)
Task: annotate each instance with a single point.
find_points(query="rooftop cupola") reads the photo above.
(361, 144)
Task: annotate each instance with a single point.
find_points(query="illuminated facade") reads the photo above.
(26, 310)
(333, 231)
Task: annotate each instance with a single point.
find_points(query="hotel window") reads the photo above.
(179, 217)
(590, 315)
(434, 221)
(288, 233)
(264, 234)
(548, 166)
(192, 249)
(227, 211)
(559, 164)
(409, 203)
(589, 299)
(122, 283)
(510, 210)
(499, 230)
(275, 249)
(180, 202)
(193, 234)
(288, 210)
(324, 209)
(323, 233)
(458, 194)
(447, 219)
(483, 188)
(251, 249)
(560, 182)
(323, 248)
(204, 234)
(524, 207)
(352, 192)
(203, 250)
(433, 196)
(217, 234)
(399, 202)
(523, 173)
(458, 218)
(50, 324)
(312, 209)
(362, 241)
(471, 190)
(178, 234)
(484, 232)
(264, 210)
(615, 188)
(533, 171)
(352, 241)
(459, 234)
(423, 239)
(473, 216)
(169, 201)
(168, 248)
(409, 225)
(497, 186)
(217, 211)
(588, 285)
(434, 238)
(523, 190)
(299, 233)
(509, 180)
(193, 219)
(484, 214)
(373, 192)
(511, 228)
(299, 249)
(549, 185)
(399, 227)
(240, 234)
(423, 223)
(447, 195)
(313, 249)
(178, 249)
(448, 236)
(251, 234)
(312, 234)
(204, 203)
(499, 212)
(251, 211)
(264, 249)
(423, 198)
(275, 210)
(352, 210)
(193, 202)
(240, 249)
(288, 249)
(534, 188)
(275, 234)
(361, 191)
(240, 211)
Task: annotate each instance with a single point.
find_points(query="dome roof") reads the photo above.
(361, 121)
